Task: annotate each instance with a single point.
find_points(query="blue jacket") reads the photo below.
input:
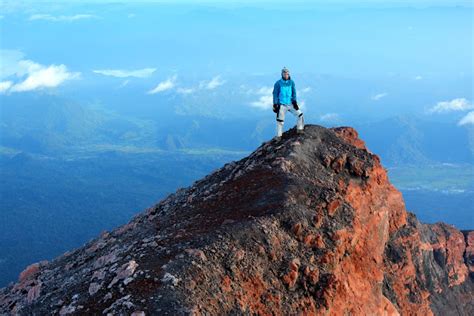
(284, 91)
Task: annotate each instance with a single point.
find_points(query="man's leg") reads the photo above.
(299, 115)
(280, 119)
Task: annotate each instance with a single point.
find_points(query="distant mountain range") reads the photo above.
(51, 125)
(405, 140)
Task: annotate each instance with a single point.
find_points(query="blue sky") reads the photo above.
(397, 55)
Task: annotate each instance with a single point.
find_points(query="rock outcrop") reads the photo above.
(308, 225)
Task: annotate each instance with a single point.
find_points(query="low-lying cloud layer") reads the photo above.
(459, 104)
(61, 18)
(123, 73)
(32, 75)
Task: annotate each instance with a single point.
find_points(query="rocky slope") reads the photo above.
(309, 225)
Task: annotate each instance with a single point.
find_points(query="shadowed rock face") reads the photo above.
(308, 225)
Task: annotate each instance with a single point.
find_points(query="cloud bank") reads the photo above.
(468, 119)
(61, 18)
(459, 104)
(212, 84)
(164, 85)
(379, 96)
(122, 73)
(35, 76)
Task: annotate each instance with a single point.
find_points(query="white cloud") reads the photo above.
(265, 90)
(264, 102)
(330, 117)
(61, 18)
(304, 90)
(164, 85)
(5, 85)
(185, 90)
(418, 77)
(379, 96)
(212, 84)
(249, 90)
(121, 73)
(203, 85)
(459, 104)
(40, 76)
(170, 83)
(37, 76)
(468, 119)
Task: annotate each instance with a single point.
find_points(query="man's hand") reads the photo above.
(276, 108)
(295, 104)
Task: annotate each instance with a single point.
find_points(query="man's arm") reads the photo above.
(293, 96)
(293, 92)
(276, 101)
(276, 92)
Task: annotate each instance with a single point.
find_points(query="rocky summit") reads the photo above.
(306, 225)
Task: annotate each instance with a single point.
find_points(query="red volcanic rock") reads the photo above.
(350, 135)
(29, 272)
(33, 293)
(290, 278)
(308, 225)
(469, 255)
(450, 244)
(332, 206)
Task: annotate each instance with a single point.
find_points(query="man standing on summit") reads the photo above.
(284, 99)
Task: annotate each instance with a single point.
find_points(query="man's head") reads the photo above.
(285, 73)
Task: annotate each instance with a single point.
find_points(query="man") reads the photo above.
(284, 99)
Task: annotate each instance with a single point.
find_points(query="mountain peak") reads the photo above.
(309, 224)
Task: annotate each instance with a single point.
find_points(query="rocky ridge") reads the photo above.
(309, 225)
